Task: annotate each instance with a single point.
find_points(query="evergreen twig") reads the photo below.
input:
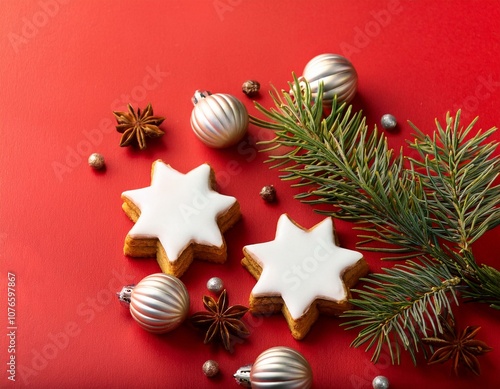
(432, 207)
(413, 297)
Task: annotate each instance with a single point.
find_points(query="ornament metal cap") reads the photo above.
(242, 376)
(200, 94)
(125, 294)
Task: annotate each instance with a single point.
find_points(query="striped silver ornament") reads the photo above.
(277, 367)
(219, 120)
(337, 74)
(159, 303)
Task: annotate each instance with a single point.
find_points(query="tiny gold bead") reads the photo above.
(96, 161)
(210, 368)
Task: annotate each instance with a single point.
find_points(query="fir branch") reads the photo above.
(482, 282)
(401, 306)
(434, 206)
(458, 176)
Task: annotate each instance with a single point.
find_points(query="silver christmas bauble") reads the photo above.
(337, 74)
(215, 285)
(278, 367)
(388, 121)
(159, 303)
(218, 120)
(380, 382)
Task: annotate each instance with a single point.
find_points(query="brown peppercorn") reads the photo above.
(268, 193)
(250, 87)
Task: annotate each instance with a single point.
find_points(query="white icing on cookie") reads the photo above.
(179, 209)
(302, 266)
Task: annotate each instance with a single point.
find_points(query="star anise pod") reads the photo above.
(459, 347)
(221, 321)
(136, 126)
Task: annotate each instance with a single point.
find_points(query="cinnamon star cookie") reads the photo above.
(302, 273)
(179, 217)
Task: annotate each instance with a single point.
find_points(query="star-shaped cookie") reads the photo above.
(302, 273)
(179, 217)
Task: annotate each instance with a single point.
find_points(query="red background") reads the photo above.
(65, 65)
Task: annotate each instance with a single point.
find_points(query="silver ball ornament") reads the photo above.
(277, 367)
(159, 303)
(218, 120)
(215, 285)
(388, 121)
(96, 161)
(337, 74)
(210, 368)
(380, 382)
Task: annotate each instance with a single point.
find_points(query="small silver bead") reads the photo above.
(380, 382)
(388, 121)
(215, 285)
(96, 161)
(210, 368)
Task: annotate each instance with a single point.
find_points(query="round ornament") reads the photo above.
(215, 285)
(277, 367)
(388, 121)
(210, 368)
(380, 382)
(337, 74)
(159, 303)
(96, 161)
(218, 120)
